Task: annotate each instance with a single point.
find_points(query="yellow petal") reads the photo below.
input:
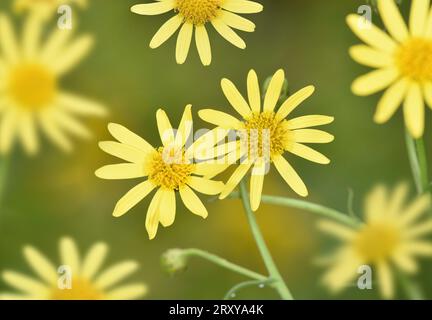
(242, 6)
(370, 57)
(203, 45)
(183, 42)
(167, 208)
(127, 292)
(115, 274)
(192, 202)
(166, 132)
(336, 230)
(127, 137)
(294, 101)
(427, 91)
(290, 175)
(133, 197)
(153, 215)
(93, 260)
(24, 283)
(371, 35)
(185, 128)
(226, 32)
(220, 119)
(385, 280)
(69, 255)
(121, 171)
(237, 22)
(253, 89)
(206, 186)
(374, 81)
(123, 151)
(274, 90)
(308, 153)
(391, 100)
(235, 179)
(256, 184)
(41, 265)
(166, 31)
(308, 121)
(312, 136)
(418, 16)
(235, 98)
(414, 111)
(393, 20)
(154, 8)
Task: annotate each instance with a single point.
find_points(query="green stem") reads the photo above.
(418, 161)
(224, 263)
(246, 284)
(279, 284)
(311, 207)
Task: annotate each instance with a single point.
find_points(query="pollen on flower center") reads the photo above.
(32, 86)
(265, 135)
(414, 59)
(198, 12)
(376, 242)
(168, 168)
(80, 289)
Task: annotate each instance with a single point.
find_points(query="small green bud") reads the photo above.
(174, 261)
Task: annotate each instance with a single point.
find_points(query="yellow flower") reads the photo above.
(403, 59)
(74, 278)
(169, 168)
(45, 7)
(390, 239)
(31, 95)
(195, 14)
(266, 134)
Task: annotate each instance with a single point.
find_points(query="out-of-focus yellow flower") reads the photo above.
(266, 134)
(390, 239)
(403, 59)
(169, 168)
(195, 14)
(74, 278)
(31, 95)
(46, 8)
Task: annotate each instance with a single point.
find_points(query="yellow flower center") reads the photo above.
(414, 59)
(32, 86)
(81, 289)
(198, 12)
(265, 135)
(169, 169)
(377, 242)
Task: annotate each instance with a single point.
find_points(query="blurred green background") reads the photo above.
(54, 194)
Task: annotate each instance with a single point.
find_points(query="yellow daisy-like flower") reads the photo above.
(74, 278)
(390, 239)
(169, 168)
(45, 7)
(30, 93)
(403, 59)
(195, 14)
(266, 134)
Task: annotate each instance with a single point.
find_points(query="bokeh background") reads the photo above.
(56, 194)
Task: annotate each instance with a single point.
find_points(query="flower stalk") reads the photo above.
(317, 209)
(192, 252)
(418, 161)
(273, 271)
